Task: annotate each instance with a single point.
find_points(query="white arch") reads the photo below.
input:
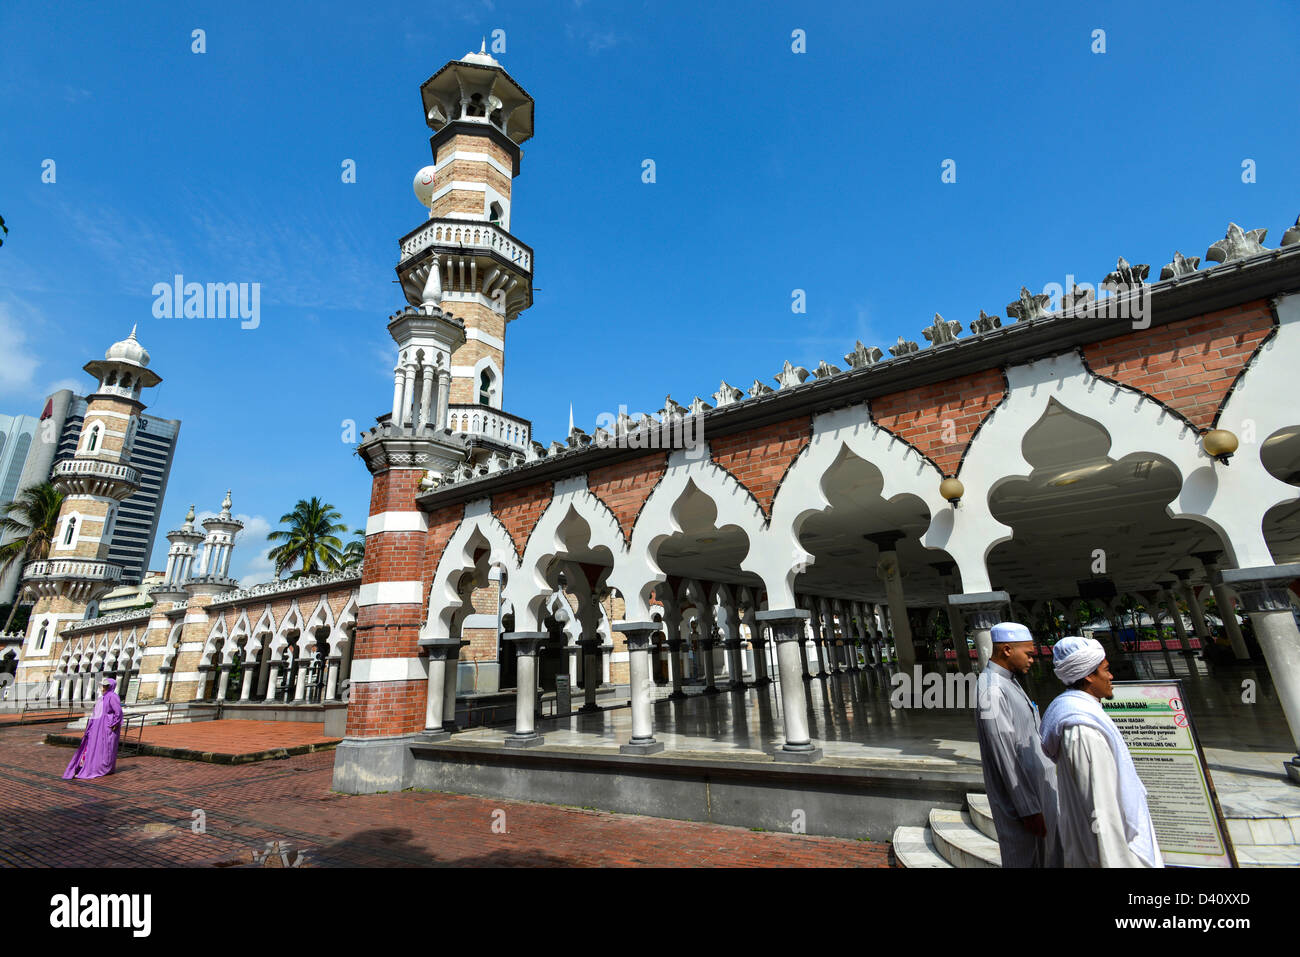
(1133, 421)
(637, 574)
(292, 621)
(1262, 402)
(904, 470)
(529, 588)
(217, 633)
(458, 556)
(265, 626)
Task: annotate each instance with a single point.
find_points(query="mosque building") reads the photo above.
(889, 504)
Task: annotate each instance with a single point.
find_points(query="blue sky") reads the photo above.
(775, 171)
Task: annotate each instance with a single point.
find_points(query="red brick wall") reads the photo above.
(519, 511)
(929, 415)
(391, 707)
(1188, 365)
(759, 458)
(625, 487)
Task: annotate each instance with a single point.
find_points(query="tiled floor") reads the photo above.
(230, 737)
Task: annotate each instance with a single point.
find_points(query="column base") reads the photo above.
(678, 696)
(435, 734)
(589, 709)
(801, 753)
(711, 689)
(515, 740)
(641, 747)
(450, 727)
(762, 682)
(1293, 769)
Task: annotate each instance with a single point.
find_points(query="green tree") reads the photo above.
(310, 540)
(31, 518)
(355, 550)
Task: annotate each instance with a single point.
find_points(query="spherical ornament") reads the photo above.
(423, 186)
(1219, 443)
(952, 490)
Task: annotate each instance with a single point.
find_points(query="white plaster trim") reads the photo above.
(190, 646)
(485, 337)
(479, 621)
(396, 522)
(375, 670)
(458, 184)
(196, 618)
(392, 593)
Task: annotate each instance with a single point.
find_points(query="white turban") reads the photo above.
(1074, 658)
(1011, 631)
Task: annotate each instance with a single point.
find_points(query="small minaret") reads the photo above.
(212, 572)
(180, 561)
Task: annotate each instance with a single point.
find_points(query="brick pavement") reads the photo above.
(141, 816)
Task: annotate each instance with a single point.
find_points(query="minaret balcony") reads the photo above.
(486, 423)
(47, 575)
(96, 477)
(463, 235)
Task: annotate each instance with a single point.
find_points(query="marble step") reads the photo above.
(1268, 855)
(914, 848)
(960, 842)
(980, 814)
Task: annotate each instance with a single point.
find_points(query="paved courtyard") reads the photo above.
(142, 817)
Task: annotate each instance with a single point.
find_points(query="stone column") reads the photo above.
(223, 685)
(408, 395)
(815, 621)
(706, 644)
(758, 642)
(983, 610)
(1263, 593)
(803, 652)
(332, 678)
(450, 680)
(300, 692)
(590, 673)
(444, 398)
(1171, 602)
(525, 734)
(788, 631)
(1221, 598)
(399, 386)
(272, 677)
(426, 393)
(675, 668)
(204, 673)
(637, 635)
(1187, 592)
(246, 690)
(890, 572)
(734, 664)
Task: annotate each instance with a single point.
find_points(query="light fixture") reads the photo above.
(952, 490)
(1219, 443)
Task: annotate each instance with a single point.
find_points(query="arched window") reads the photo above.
(495, 213)
(71, 531)
(485, 387)
(93, 442)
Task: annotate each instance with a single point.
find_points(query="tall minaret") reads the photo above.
(94, 482)
(465, 257)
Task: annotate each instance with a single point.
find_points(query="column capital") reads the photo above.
(440, 649)
(637, 634)
(885, 541)
(787, 624)
(984, 609)
(525, 642)
(1264, 587)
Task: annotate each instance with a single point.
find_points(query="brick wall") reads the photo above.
(940, 419)
(759, 458)
(391, 707)
(625, 487)
(520, 509)
(1188, 365)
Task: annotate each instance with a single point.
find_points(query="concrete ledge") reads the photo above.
(187, 754)
(371, 765)
(831, 800)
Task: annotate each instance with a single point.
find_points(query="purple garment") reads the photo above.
(97, 753)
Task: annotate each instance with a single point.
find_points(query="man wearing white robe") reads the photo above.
(1018, 778)
(1105, 821)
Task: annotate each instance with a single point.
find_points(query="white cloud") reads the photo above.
(19, 366)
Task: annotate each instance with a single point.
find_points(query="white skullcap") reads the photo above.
(1011, 631)
(1074, 658)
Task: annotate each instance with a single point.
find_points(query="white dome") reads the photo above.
(128, 350)
(482, 57)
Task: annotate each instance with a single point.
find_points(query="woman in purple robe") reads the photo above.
(97, 753)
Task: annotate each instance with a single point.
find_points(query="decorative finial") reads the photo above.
(132, 335)
(1237, 244)
(225, 505)
(482, 47)
(985, 323)
(189, 516)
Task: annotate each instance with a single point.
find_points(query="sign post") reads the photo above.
(1153, 719)
(563, 696)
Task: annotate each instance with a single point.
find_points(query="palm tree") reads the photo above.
(311, 538)
(32, 517)
(355, 550)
